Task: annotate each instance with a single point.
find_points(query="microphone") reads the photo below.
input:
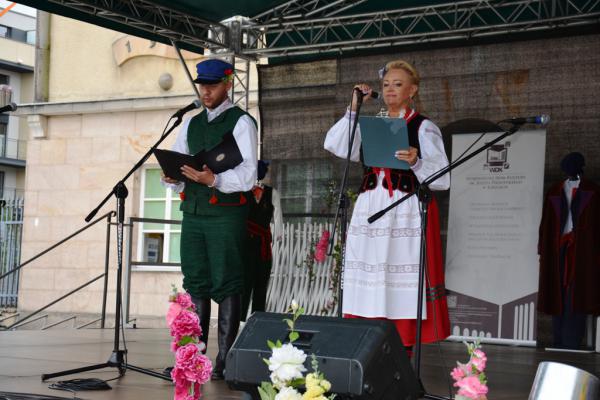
(538, 119)
(374, 94)
(192, 106)
(9, 107)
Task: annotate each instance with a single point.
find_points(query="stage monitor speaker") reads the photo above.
(363, 359)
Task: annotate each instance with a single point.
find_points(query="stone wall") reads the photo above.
(68, 173)
(558, 76)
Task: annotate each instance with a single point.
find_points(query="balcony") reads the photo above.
(12, 152)
(21, 56)
(9, 193)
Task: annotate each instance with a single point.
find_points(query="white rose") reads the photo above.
(288, 393)
(294, 306)
(286, 364)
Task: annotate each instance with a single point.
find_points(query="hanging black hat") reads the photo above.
(572, 164)
(263, 168)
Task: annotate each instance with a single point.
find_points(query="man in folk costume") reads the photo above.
(213, 231)
(264, 206)
(382, 259)
(569, 249)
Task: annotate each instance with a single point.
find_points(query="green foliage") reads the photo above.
(296, 311)
(267, 391)
(309, 261)
(275, 345)
(186, 340)
(294, 336)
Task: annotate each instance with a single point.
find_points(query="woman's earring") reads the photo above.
(411, 103)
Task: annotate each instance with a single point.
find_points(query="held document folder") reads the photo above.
(381, 138)
(225, 155)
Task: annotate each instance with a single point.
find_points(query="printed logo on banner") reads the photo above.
(497, 158)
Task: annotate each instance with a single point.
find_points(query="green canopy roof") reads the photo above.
(283, 28)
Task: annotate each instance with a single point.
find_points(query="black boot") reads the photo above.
(203, 311)
(229, 323)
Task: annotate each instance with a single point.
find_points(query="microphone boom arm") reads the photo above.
(140, 162)
(436, 175)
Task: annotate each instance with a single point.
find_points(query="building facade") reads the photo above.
(109, 96)
(17, 51)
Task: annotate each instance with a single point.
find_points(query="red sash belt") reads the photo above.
(265, 239)
(568, 240)
(388, 178)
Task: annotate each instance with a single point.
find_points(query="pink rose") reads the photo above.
(471, 387)
(478, 360)
(457, 374)
(191, 365)
(182, 388)
(321, 247)
(185, 301)
(203, 368)
(185, 354)
(185, 324)
(174, 310)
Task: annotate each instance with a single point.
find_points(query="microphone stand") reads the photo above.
(118, 358)
(424, 195)
(342, 210)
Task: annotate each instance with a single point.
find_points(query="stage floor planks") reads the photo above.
(25, 355)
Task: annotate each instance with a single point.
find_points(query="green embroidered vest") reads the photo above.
(203, 135)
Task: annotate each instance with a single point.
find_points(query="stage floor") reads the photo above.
(25, 355)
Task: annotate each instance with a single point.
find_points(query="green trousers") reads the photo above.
(212, 250)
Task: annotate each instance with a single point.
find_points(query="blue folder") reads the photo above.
(381, 138)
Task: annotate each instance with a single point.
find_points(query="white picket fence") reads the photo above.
(290, 279)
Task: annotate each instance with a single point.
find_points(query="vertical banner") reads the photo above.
(492, 263)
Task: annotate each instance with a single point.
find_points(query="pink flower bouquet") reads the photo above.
(470, 378)
(192, 368)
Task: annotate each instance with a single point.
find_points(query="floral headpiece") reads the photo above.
(382, 72)
(228, 75)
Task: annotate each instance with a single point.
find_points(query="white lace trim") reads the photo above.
(383, 267)
(380, 283)
(364, 230)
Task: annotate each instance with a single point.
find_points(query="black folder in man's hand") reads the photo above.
(224, 156)
(172, 161)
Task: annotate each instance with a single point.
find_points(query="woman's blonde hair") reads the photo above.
(406, 66)
(411, 71)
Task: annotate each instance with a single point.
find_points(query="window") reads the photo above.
(1, 184)
(308, 187)
(13, 33)
(5, 31)
(158, 243)
(304, 185)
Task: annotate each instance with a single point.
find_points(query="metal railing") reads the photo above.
(12, 148)
(11, 230)
(10, 193)
(108, 217)
(130, 262)
(291, 277)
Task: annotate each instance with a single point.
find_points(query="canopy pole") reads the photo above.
(185, 68)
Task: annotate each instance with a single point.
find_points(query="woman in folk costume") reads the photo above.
(382, 259)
